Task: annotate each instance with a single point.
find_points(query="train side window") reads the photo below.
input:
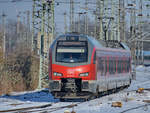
(105, 66)
(109, 67)
(114, 67)
(101, 65)
(110, 61)
(94, 58)
(125, 66)
(121, 66)
(117, 65)
(121, 63)
(119, 70)
(129, 66)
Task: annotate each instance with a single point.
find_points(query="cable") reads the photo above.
(12, 1)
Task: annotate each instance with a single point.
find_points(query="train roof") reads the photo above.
(96, 43)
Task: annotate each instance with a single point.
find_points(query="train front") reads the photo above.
(72, 68)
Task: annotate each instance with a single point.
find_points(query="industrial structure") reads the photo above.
(43, 25)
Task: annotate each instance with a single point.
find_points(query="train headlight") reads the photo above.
(57, 74)
(84, 74)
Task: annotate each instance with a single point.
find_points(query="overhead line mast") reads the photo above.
(86, 17)
(4, 35)
(140, 49)
(43, 25)
(71, 15)
(65, 22)
(101, 11)
(122, 20)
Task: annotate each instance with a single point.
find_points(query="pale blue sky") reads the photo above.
(11, 9)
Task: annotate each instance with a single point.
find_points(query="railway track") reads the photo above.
(50, 108)
(136, 107)
(133, 108)
(40, 109)
(26, 108)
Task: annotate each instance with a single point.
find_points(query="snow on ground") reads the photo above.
(26, 99)
(100, 105)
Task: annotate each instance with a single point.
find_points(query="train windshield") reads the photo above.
(71, 52)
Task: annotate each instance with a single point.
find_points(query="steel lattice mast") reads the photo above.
(71, 15)
(4, 35)
(43, 26)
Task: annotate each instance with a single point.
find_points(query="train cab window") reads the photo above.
(71, 52)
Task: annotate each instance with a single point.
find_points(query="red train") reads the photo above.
(80, 66)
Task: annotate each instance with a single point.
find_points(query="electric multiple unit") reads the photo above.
(80, 66)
